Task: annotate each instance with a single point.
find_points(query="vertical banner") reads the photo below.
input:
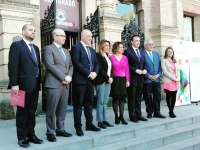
(195, 71)
(181, 53)
(67, 13)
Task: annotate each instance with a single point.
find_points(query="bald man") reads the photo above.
(59, 70)
(85, 71)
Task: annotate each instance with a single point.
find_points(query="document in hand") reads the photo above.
(19, 99)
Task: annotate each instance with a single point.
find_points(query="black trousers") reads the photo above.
(134, 98)
(25, 117)
(152, 97)
(83, 95)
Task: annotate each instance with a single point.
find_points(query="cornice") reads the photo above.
(111, 19)
(7, 2)
(193, 2)
(164, 31)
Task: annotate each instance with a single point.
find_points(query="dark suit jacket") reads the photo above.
(153, 68)
(81, 63)
(135, 64)
(103, 69)
(22, 68)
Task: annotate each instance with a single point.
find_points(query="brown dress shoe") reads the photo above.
(134, 119)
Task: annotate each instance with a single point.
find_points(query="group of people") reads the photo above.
(130, 73)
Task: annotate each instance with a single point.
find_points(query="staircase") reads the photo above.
(180, 133)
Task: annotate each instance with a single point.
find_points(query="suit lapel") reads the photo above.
(67, 57)
(134, 54)
(56, 50)
(28, 51)
(84, 51)
(148, 57)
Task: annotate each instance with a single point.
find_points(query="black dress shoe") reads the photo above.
(79, 132)
(149, 116)
(51, 138)
(108, 124)
(92, 128)
(142, 118)
(63, 133)
(101, 125)
(34, 140)
(23, 143)
(158, 116)
(134, 119)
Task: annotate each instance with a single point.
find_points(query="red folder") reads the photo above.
(17, 99)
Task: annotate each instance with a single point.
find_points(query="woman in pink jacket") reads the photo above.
(121, 80)
(171, 77)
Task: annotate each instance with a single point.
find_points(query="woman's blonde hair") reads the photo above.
(101, 46)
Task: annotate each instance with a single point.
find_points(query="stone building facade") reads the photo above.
(160, 20)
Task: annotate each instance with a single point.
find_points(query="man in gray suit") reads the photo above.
(59, 72)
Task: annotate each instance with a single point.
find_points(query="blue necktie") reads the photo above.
(34, 58)
(138, 54)
(89, 57)
(62, 53)
(151, 56)
(33, 53)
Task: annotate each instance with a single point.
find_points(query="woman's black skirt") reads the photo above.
(118, 88)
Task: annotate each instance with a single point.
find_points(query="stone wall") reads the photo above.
(13, 15)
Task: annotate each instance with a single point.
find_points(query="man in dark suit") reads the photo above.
(25, 74)
(59, 70)
(85, 71)
(137, 68)
(152, 81)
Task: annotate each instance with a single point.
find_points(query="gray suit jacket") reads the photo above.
(56, 69)
(168, 72)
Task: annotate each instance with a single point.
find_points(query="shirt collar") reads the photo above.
(27, 42)
(148, 52)
(58, 46)
(84, 44)
(135, 48)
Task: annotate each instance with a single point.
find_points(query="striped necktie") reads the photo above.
(138, 54)
(34, 58)
(89, 57)
(62, 53)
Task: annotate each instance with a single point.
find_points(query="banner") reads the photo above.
(195, 71)
(67, 13)
(181, 53)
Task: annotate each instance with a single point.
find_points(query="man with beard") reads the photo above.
(25, 74)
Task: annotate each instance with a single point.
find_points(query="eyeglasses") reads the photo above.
(62, 36)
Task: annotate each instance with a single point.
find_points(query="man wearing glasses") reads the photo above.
(59, 70)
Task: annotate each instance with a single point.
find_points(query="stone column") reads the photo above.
(13, 15)
(164, 24)
(111, 25)
(197, 28)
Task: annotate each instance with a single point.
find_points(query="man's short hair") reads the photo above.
(133, 37)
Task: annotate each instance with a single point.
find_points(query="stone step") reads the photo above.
(122, 133)
(157, 140)
(186, 116)
(188, 144)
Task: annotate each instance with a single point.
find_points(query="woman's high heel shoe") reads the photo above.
(117, 121)
(122, 120)
(172, 115)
